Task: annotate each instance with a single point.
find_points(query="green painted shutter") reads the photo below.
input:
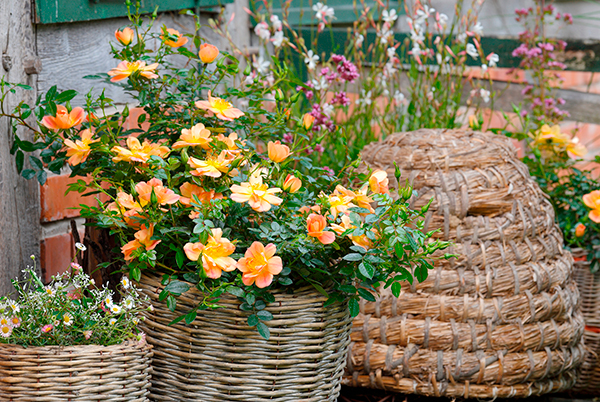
(56, 11)
(301, 12)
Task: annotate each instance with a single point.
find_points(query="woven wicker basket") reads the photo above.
(219, 358)
(87, 373)
(588, 382)
(502, 318)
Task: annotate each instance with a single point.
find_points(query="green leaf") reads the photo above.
(65, 96)
(171, 303)
(176, 320)
(20, 158)
(320, 289)
(234, 290)
(365, 294)
(348, 289)
(354, 307)
(263, 330)
(190, 317)
(285, 281)
(260, 304)
(252, 320)
(396, 287)
(250, 299)
(36, 162)
(41, 177)
(366, 270)
(264, 315)
(421, 273)
(399, 250)
(191, 277)
(353, 257)
(177, 287)
(135, 273)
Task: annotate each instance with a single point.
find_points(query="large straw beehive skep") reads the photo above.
(499, 320)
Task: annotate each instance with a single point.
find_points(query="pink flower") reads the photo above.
(47, 328)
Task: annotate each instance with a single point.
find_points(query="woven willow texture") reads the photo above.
(219, 358)
(588, 283)
(118, 373)
(502, 318)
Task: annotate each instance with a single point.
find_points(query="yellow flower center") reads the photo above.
(220, 104)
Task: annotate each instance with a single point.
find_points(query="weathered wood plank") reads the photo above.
(19, 198)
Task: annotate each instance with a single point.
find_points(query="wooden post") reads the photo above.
(19, 198)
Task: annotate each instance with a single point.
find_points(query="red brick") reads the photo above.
(56, 254)
(55, 204)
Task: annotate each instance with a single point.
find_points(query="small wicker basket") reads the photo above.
(219, 358)
(117, 373)
(588, 381)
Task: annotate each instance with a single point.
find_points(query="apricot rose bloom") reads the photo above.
(316, 225)
(124, 36)
(292, 184)
(64, 119)
(143, 238)
(138, 152)
(80, 149)
(215, 254)
(208, 53)
(181, 40)
(552, 139)
(163, 194)
(579, 230)
(257, 194)
(212, 166)
(308, 120)
(196, 136)
(189, 190)
(592, 200)
(125, 69)
(379, 182)
(259, 264)
(277, 151)
(220, 107)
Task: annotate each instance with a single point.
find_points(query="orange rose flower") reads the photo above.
(308, 120)
(259, 264)
(181, 40)
(345, 225)
(277, 151)
(221, 108)
(211, 167)
(208, 53)
(80, 149)
(292, 184)
(579, 230)
(63, 119)
(138, 152)
(592, 200)
(189, 190)
(379, 182)
(163, 194)
(125, 69)
(316, 225)
(256, 194)
(143, 238)
(215, 254)
(124, 36)
(196, 136)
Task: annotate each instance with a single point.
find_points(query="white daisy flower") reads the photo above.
(80, 247)
(112, 321)
(67, 319)
(108, 301)
(14, 306)
(115, 309)
(5, 330)
(125, 282)
(129, 303)
(49, 290)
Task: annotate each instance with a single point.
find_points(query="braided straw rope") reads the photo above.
(502, 318)
(588, 283)
(117, 373)
(219, 358)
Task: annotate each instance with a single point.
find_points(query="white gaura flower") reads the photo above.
(416, 51)
(320, 84)
(358, 39)
(278, 39)
(484, 68)
(493, 59)
(277, 25)
(485, 95)
(365, 98)
(389, 69)
(262, 30)
(261, 65)
(472, 51)
(384, 34)
(477, 29)
(442, 20)
(322, 11)
(311, 60)
(327, 109)
(416, 36)
(461, 37)
(125, 282)
(389, 16)
(398, 97)
(391, 52)
(423, 14)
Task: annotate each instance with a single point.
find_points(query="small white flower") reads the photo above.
(389, 16)
(311, 60)
(391, 52)
(67, 319)
(129, 303)
(261, 65)
(416, 36)
(112, 321)
(472, 51)
(115, 309)
(14, 307)
(416, 51)
(398, 97)
(461, 37)
(484, 68)
(438, 58)
(108, 301)
(443, 20)
(327, 109)
(80, 247)
(322, 11)
(320, 84)
(359, 39)
(384, 34)
(92, 281)
(389, 69)
(493, 59)
(278, 39)
(135, 320)
(485, 95)
(477, 29)
(5, 331)
(277, 25)
(262, 30)
(125, 282)
(365, 99)
(49, 290)
(249, 80)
